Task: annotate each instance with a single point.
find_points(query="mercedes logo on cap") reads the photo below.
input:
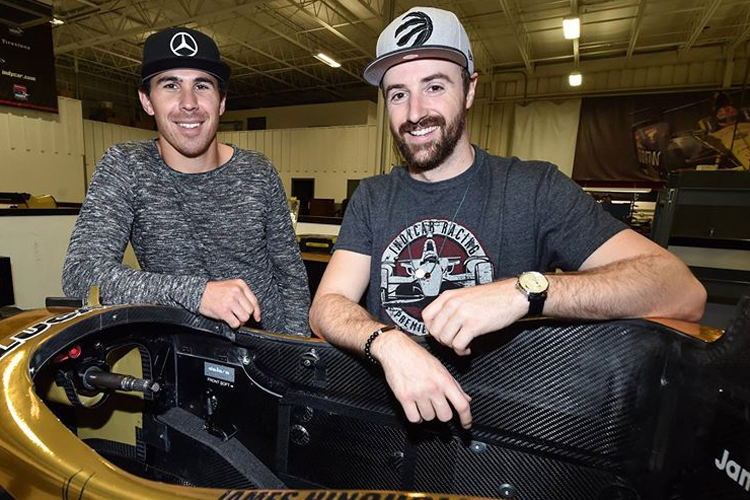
(183, 45)
(421, 28)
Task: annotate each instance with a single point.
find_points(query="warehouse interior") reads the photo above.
(597, 117)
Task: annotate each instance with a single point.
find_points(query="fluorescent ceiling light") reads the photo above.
(571, 28)
(56, 22)
(575, 79)
(327, 59)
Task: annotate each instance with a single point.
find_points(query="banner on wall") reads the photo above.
(27, 67)
(643, 138)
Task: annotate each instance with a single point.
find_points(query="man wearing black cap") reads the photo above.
(209, 222)
(455, 244)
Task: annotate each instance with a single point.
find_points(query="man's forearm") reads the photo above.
(122, 285)
(295, 297)
(342, 322)
(425, 389)
(657, 285)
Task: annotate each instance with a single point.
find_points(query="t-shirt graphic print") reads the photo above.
(422, 261)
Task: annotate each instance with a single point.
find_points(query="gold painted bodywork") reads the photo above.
(40, 459)
(699, 332)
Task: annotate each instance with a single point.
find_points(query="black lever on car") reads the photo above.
(95, 378)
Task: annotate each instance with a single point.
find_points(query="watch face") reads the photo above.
(533, 282)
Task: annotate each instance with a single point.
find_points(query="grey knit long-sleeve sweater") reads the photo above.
(186, 230)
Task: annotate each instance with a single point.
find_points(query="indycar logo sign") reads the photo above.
(15, 341)
(424, 260)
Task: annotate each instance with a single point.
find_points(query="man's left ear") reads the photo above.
(223, 105)
(472, 90)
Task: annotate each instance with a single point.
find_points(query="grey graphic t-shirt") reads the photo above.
(501, 217)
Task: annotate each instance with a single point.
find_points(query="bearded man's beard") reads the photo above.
(424, 157)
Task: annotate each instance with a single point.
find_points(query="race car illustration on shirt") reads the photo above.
(429, 275)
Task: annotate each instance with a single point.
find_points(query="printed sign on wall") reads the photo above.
(644, 137)
(27, 67)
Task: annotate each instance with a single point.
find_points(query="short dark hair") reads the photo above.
(146, 87)
(465, 79)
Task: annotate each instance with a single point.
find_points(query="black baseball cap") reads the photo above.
(181, 47)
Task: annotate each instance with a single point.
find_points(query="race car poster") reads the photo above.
(644, 137)
(27, 67)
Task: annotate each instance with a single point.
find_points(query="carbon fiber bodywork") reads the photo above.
(614, 410)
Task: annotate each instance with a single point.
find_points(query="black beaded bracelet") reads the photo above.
(371, 339)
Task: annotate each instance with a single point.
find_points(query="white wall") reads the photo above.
(42, 153)
(546, 130)
(48, 153)
(36, 246)
(309, 115)
(490, 125)
(330, 155)
(98, 136)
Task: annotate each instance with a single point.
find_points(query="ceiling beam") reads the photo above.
(700, 24)
(121, 56)
(740, 38)
(259, 72)
(316, 29)
(140, 30)
(291, 40)
(315, 18)
(576, 41)
(607, 52)
(282, 62)
(482, 59)
(368, 8)
(105, 68)
(635, 28)
(35, 22)
(350, 18)
(522, 39)
(81, 14)
(745, 33)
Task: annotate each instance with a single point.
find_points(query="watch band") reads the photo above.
(536, 304)
(368, 344)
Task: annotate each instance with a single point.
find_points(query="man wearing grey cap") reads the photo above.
(208, 222)
(460, 243)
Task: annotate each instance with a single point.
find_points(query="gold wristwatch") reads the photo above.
(534, 285)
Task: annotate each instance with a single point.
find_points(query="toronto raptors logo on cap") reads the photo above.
(421, 28)
(183, 45)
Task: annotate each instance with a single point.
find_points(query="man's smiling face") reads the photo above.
(427, 110)
(186, 104)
